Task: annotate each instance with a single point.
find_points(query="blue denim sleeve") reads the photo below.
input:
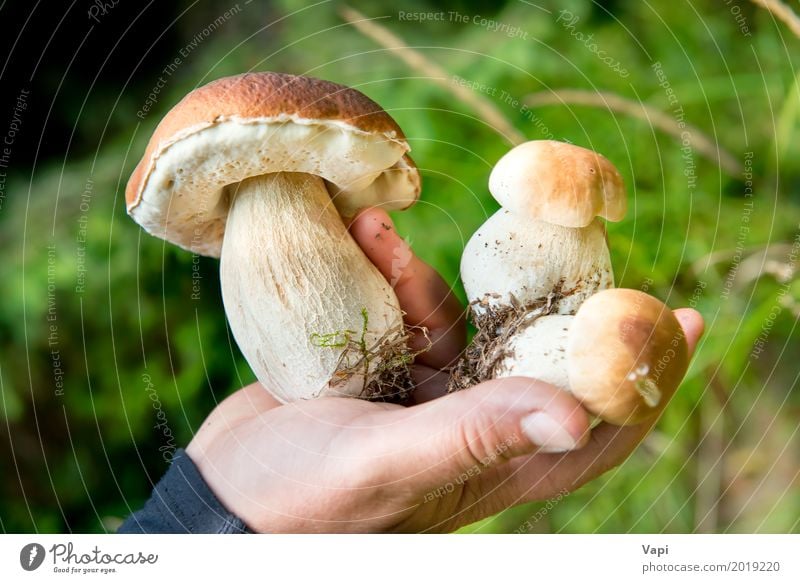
(182, 502)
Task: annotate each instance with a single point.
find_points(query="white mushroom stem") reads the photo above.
(541, 351)
(532, 260)
(298, 291)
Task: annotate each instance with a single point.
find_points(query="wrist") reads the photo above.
(218, 480)
(182, 502)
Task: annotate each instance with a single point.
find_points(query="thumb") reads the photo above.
(464, 433)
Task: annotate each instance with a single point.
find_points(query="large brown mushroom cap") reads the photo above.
(627, 355)
(558, 183)
(259, 123)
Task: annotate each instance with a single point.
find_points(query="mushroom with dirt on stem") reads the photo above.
(260, 169)
(544, 251)
(546, 241)
(622, 355)
(539, 278)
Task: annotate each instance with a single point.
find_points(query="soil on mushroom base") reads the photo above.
(385, 366)
(495, 327)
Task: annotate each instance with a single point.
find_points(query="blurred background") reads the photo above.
(114, 345)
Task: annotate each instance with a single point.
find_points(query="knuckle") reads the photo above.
(481, 438)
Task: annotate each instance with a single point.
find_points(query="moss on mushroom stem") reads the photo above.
(384, 366)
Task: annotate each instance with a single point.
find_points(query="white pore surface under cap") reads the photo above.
(184, 198)
(531, 259)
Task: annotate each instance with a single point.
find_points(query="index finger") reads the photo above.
(424, 296)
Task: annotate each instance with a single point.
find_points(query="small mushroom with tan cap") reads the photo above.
(622, 355)
(544, 252)
(546, 245)
(259, 169)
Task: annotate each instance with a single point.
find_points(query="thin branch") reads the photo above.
(787, 118)
(760, 253)
(487, 110)
(782, 12)
(657, 118)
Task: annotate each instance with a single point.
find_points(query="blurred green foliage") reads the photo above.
(131, 342)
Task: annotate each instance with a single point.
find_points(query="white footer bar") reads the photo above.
(401, 558)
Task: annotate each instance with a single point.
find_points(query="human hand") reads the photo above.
(346, 465)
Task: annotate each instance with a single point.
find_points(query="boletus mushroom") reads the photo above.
(545, 247)
(544, 252)
(260, 170)
(622, 355)
(539, 279)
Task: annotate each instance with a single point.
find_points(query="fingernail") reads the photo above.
(545, 432)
